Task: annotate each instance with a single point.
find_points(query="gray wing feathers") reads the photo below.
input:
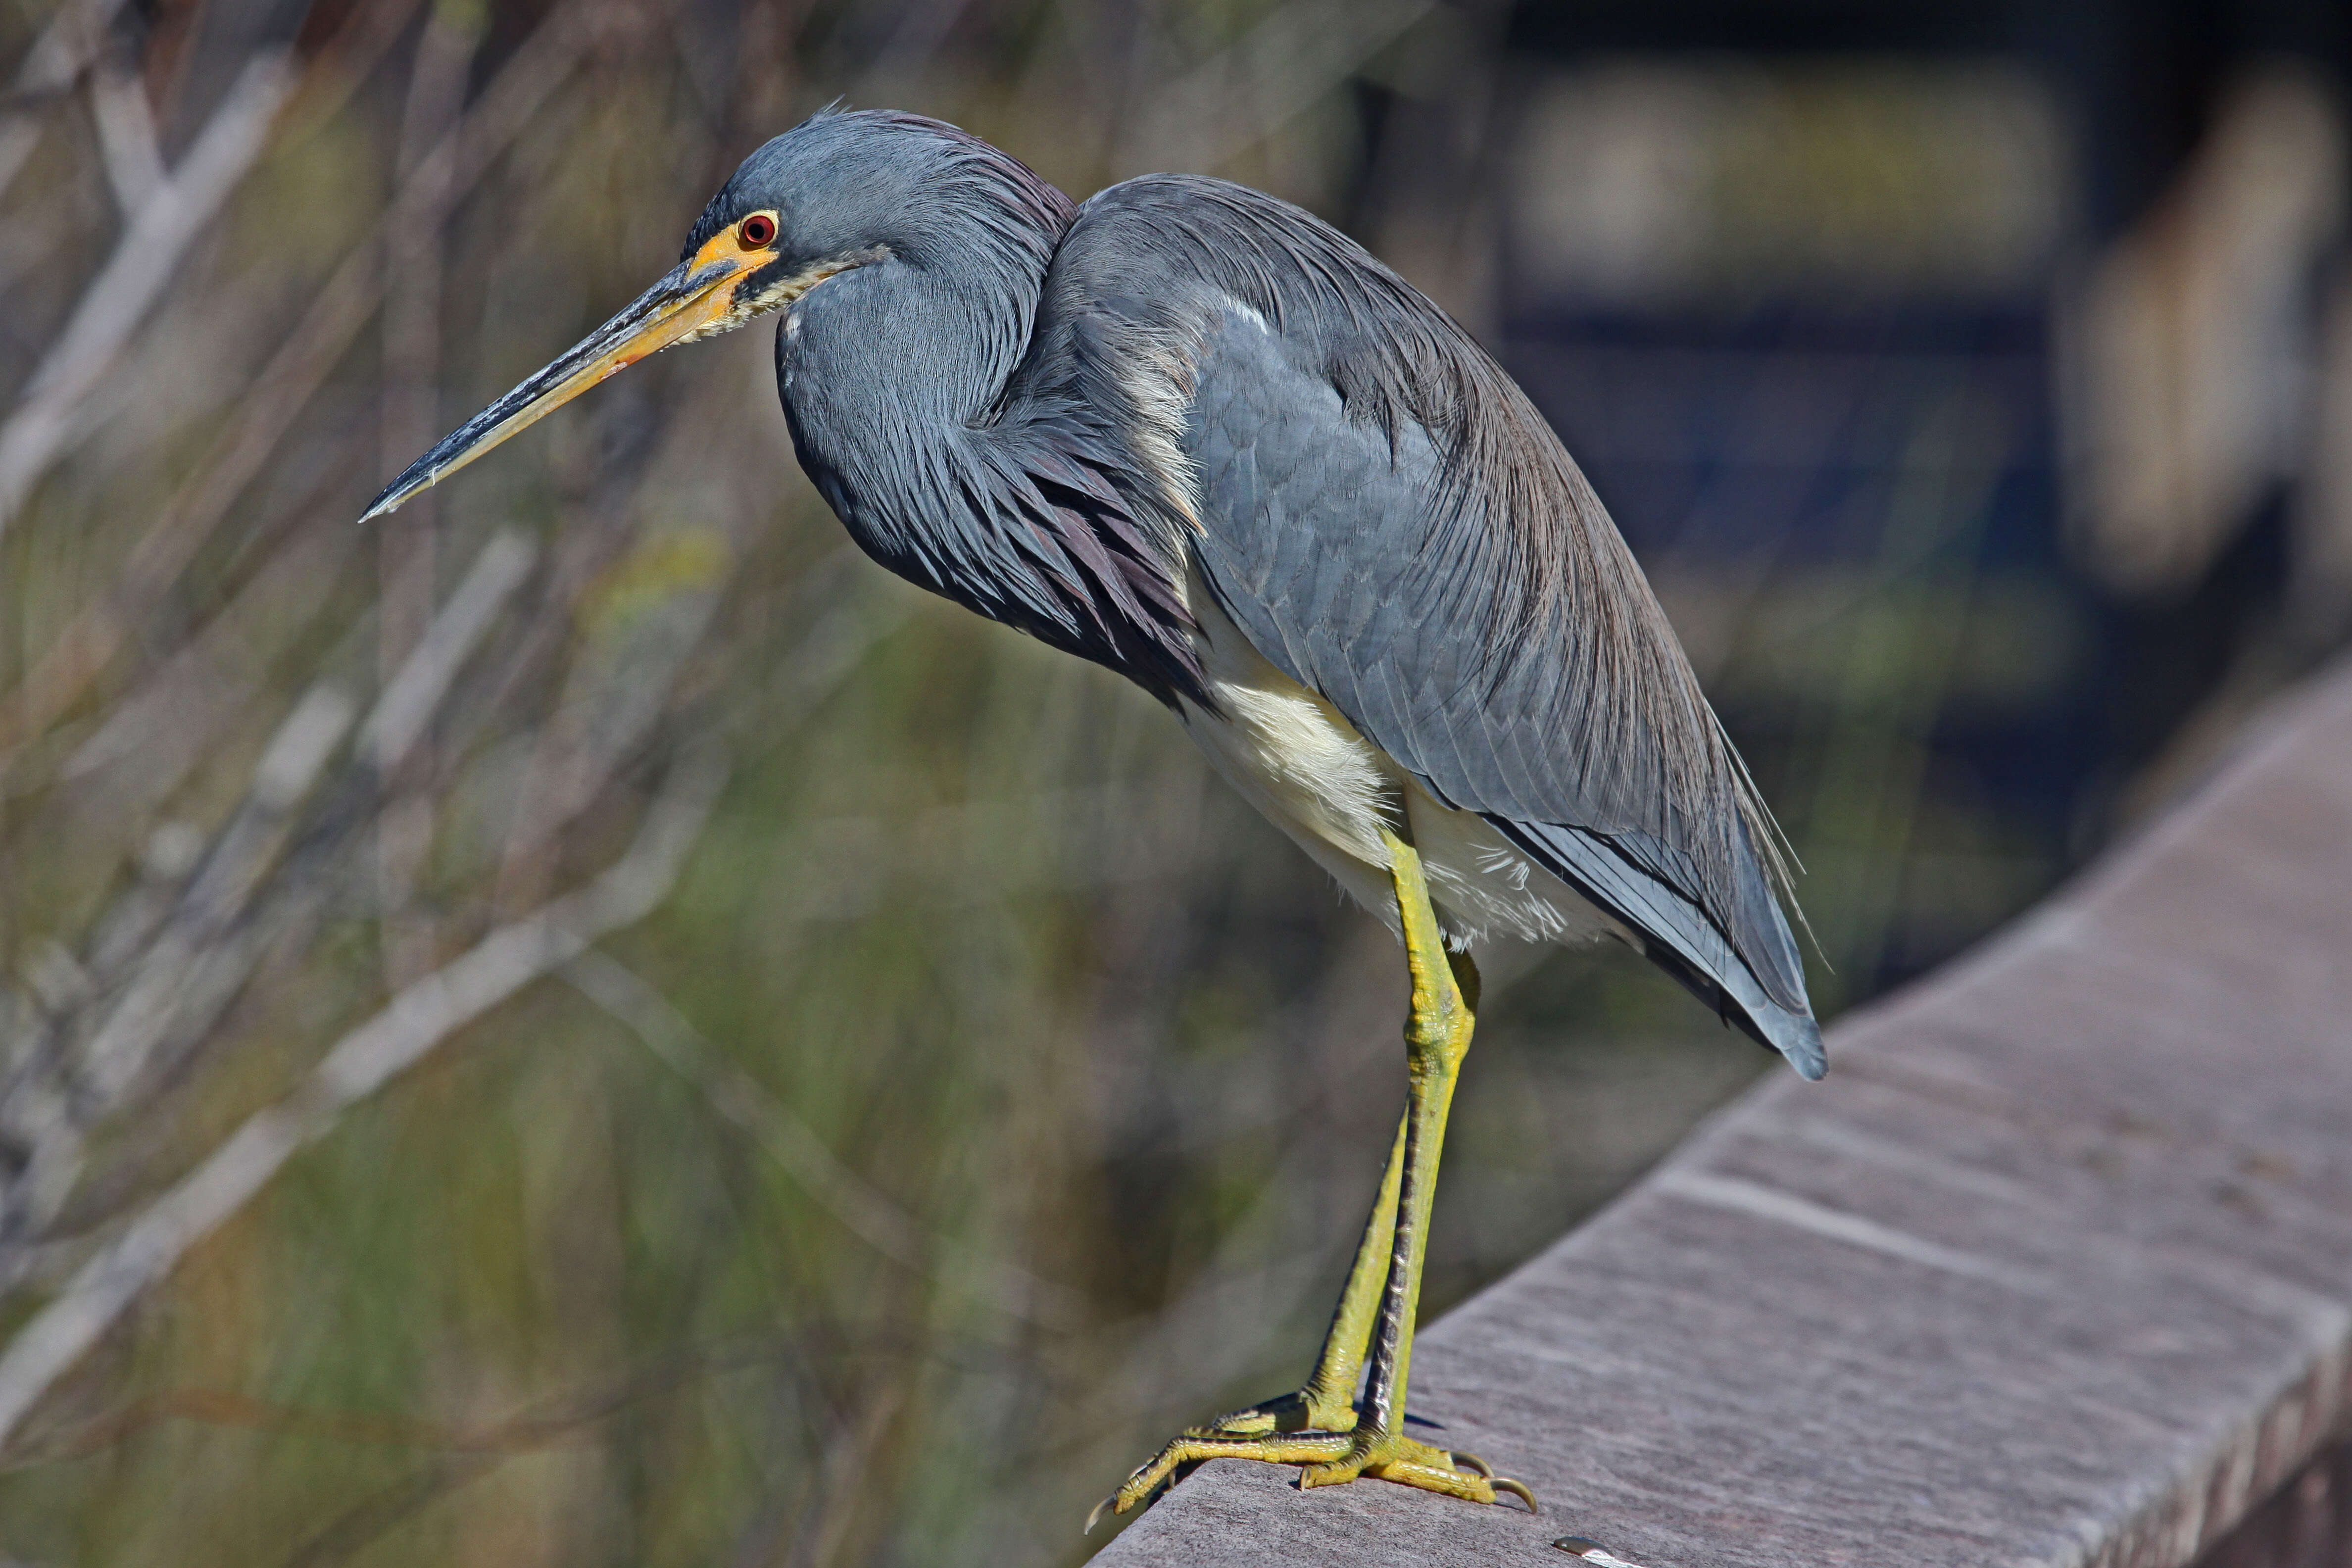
(1388, 520)
(1616, 874)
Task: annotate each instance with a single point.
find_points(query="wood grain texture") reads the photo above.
(2307, 1523)
(2055, 1268)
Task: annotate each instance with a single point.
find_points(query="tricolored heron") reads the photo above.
(1192, 433)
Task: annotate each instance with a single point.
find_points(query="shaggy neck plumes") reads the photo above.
(895, 379)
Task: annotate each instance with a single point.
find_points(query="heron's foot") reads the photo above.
(1325, 1459)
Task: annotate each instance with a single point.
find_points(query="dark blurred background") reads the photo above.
(586, 1025)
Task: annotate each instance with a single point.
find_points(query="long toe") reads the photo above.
(1413, 1464)
(1283, 1448)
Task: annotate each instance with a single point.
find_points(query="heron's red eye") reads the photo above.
(757, 231)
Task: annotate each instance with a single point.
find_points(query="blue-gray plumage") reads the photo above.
(1193, 434)
(1389, 520)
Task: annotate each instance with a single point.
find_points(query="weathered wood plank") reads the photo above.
(2055, 1268)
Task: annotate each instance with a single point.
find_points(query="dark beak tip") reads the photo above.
(386, 502)
(393, 497)
(411, 480)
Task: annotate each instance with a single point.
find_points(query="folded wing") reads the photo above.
(1386, 517)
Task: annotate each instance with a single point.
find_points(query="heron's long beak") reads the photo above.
(695, 299)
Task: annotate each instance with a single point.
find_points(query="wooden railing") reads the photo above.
(2055, 1268)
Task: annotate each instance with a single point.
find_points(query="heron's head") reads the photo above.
(838, 192)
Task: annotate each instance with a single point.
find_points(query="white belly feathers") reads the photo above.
(1298, 759)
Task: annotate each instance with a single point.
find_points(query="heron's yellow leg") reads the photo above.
(1328, 1403)
(1372, 1443)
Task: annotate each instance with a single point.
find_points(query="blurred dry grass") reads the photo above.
(989, 1092)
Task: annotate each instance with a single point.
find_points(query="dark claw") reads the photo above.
(1517, 1489)
(1474, 1461)
(1096, 1516)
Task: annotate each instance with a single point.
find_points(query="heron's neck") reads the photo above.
(895, 379)
(887, 371)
